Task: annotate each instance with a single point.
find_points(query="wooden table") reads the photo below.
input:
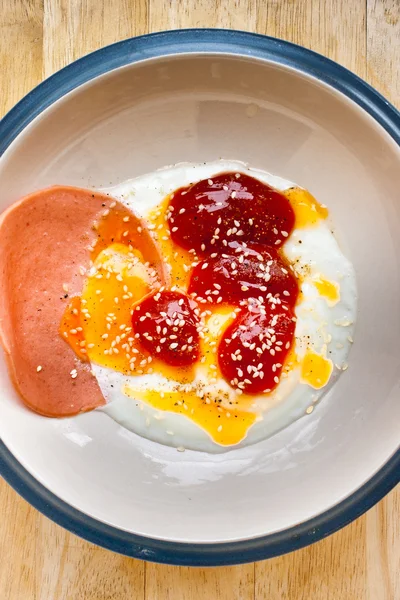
(44, 562)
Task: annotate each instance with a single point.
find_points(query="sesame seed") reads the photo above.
(39, 368)
(219, 429)
(309, 410)
(173, 346)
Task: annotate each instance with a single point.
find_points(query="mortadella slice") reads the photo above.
(46, 241)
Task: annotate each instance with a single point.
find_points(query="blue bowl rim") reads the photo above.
(126, 52)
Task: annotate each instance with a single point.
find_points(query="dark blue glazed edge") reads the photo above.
(81, 71)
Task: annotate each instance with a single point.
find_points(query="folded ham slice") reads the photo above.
(45, 240)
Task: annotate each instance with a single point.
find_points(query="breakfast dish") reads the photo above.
(202, 306)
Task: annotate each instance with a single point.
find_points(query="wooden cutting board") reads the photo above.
(38, 559)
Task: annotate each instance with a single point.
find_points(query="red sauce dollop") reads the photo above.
(234, 224)
(254, 347)
(166, 326)
(209, 214)
(244, 272)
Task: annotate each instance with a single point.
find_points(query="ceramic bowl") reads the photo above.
(199, 95)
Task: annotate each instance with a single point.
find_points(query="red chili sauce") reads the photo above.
(235, 224)
(207, 215)
(166, 325)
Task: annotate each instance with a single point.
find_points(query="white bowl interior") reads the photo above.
(200, 108)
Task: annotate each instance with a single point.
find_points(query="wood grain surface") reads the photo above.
(38, 559)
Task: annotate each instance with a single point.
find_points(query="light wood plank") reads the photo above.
(17, 546)
(72, 567)
(175, 583)
(68, 567)
(383, 47)
(178, 14)
(332, 568)
(21, 32)
(383, 521)
(383, 549)
(72, 29)
(335, 28)
(21, 57)
(184, 583)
